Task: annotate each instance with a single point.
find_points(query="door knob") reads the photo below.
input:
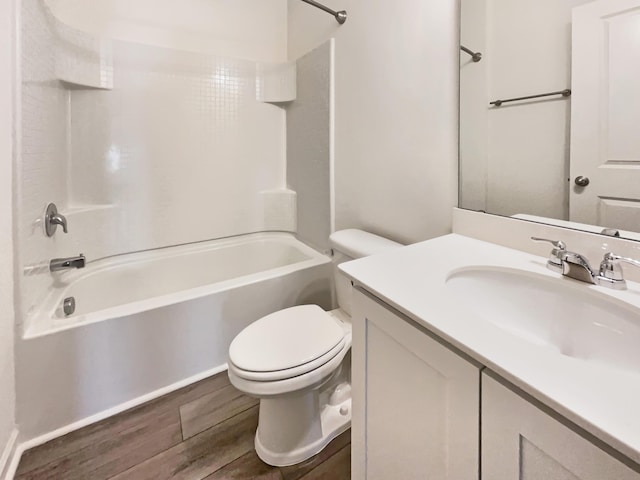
(582, 181)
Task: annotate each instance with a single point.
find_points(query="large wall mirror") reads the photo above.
(570, 154)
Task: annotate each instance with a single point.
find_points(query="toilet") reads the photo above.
(297, 362)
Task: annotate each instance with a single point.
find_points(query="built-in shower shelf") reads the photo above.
(74, 85)
(276, 82)
(82, 60)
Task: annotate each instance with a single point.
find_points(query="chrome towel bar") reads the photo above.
(340, 16)
(564, 93)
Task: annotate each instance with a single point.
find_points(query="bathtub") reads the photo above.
(149, 322)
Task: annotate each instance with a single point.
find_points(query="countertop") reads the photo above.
(602, 399)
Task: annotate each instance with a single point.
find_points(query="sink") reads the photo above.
(561, 314)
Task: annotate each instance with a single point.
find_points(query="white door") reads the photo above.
(415, 402)
(605, 114)
(521, 442)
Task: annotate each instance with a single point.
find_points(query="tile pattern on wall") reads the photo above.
(82, 60)
(180, 147)
(43, 146)
(140, 147)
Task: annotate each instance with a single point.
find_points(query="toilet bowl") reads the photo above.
(297, 362)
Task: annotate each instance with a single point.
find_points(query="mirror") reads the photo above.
(570, 154)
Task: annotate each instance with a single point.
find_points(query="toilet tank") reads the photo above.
(349, 245)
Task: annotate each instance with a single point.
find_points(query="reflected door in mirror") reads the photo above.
(605, 135)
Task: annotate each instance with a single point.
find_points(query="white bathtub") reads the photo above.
(148, 321)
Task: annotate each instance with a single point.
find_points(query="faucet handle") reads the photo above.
(559, 244)
(611, 274)
(59, 219)
(52, 219)
(554, 262)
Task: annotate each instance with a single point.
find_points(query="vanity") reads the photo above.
(472, 360)
(474, 355)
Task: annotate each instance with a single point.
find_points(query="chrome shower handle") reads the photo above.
(52, 219)
(59, 219)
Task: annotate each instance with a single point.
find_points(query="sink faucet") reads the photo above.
(58, 264)
(576, 266)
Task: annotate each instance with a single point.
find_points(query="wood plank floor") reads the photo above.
(203, 431)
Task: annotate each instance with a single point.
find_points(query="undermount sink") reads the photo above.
(561, 314)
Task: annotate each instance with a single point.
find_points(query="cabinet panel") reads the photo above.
(522, 442)
(418, 402)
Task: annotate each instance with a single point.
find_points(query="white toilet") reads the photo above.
(297, 362)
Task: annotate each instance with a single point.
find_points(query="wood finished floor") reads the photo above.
(203, 431)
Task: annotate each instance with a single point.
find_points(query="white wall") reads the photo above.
(249, 29)
(396, 87)
(7, 384)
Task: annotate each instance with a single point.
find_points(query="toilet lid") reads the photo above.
(285, 339)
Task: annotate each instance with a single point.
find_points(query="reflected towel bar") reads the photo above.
(340, 16)
(475, 56)
(564, 93)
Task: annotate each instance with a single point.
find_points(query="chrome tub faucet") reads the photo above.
(58, 264)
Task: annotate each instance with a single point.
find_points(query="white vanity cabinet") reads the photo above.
(522, 442)
(422, 410)
(415, 402)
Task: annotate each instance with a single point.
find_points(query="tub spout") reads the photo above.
(58, 264)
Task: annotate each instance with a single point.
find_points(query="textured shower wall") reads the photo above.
(43, 147)
(140, 147)
(177, 152)
(309, 146)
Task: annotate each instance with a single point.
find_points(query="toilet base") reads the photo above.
(295, 428)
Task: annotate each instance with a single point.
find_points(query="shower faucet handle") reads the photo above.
(52, 219)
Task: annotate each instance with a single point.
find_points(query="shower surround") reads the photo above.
(142, 148)
(139, 146)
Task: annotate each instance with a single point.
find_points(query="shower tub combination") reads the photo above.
(147, 323)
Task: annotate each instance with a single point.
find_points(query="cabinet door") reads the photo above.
(415, 402)
(521, 442)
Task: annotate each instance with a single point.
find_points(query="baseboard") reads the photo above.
(10, 457)
(34, 442)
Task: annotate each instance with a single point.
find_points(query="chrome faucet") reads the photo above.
(52, 219)
(611, 272)
(58, 264)
(576, 266)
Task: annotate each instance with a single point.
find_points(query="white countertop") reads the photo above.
(604, 400)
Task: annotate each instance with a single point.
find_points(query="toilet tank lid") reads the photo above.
(357, 243)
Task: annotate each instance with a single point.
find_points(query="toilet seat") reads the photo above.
(290, 385)
(286, 343)
(288, 372)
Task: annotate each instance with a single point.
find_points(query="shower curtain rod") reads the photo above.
(475, 56)
(340, 16)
